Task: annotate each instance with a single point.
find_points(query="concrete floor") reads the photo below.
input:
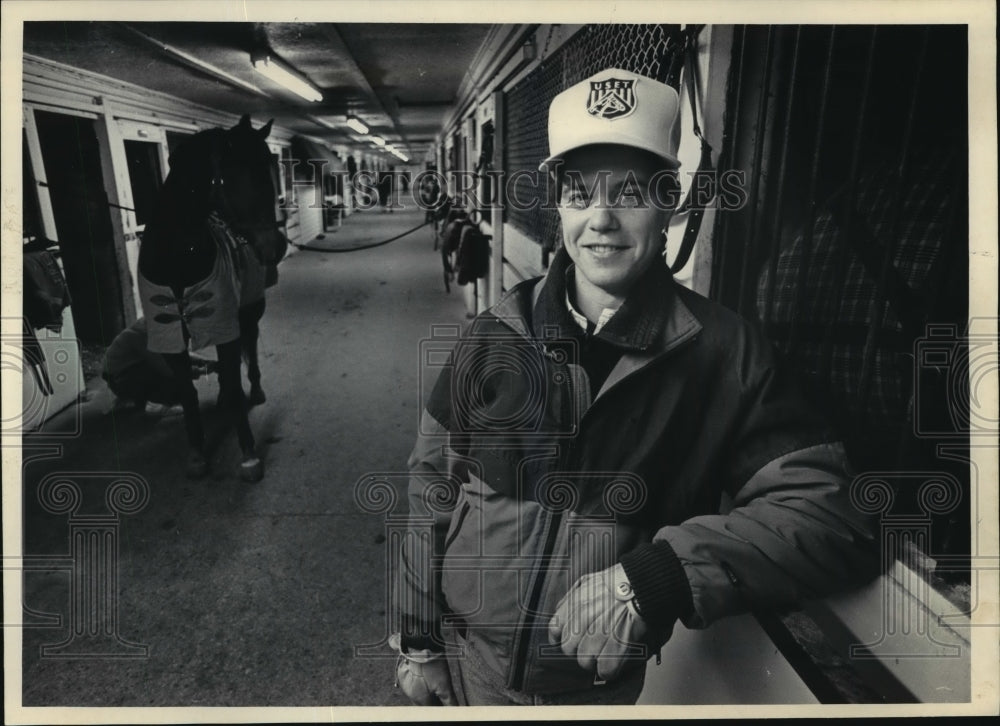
(255, 595)
(258, 595)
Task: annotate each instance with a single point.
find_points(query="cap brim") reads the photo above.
(671, 161)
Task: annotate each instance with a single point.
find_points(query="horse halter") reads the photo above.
(218, 201)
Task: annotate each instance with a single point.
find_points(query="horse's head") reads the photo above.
(227, 171)
(245, 186)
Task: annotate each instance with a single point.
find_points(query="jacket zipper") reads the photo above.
(522, 644)
(461, 520)
(522, 638)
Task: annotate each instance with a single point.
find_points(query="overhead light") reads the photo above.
(267, 66)
(356, 124)
(377, 140)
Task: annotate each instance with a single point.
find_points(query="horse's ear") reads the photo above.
(244, 122)
(265, 129)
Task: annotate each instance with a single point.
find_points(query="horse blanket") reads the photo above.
(208, 309)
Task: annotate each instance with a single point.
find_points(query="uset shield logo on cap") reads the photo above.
(611, 98)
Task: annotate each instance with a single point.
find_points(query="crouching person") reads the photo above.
(138, 376)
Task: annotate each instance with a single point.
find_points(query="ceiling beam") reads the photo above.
(344, 53)
(423, 104)
(196, 63)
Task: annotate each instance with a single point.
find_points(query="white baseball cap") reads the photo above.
(615, 107)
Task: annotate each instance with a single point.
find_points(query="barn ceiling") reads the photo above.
(400, 79)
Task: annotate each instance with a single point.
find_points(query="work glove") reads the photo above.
(423, 675)
(598, 622)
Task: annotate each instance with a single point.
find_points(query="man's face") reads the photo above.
(612, 224)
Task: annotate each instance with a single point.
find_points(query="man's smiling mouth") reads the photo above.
(601, 249)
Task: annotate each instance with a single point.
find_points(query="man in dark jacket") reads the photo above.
(607, 453)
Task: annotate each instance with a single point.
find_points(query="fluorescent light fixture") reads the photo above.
(377, 140)
(270, 68)
(355, 124)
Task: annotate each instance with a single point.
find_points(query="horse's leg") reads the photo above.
(231, 397)
(250, 316)
(180, 364)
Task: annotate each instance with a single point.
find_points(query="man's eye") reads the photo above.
(574, 198)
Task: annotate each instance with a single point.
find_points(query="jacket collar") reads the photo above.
(652, 319)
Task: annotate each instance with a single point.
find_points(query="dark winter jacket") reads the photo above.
(522, 480)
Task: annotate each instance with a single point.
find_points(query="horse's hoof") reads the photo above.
(197, 467)
(257, 396)
(252, 470)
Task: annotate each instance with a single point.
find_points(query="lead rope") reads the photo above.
(310, 248)
(695, 212)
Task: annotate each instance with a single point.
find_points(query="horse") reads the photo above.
(209, 250)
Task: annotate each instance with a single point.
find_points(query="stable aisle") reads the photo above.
(251, 595)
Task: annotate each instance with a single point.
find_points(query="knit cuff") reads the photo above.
(417, 635)
(662, 590)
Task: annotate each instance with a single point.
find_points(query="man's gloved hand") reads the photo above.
(424, 677)
(597, 621)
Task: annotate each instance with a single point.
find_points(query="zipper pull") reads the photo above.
(552, 355)
(737, 585)
(730, 574)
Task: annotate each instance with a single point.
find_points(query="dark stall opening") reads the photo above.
(145, 176)
(83, 224)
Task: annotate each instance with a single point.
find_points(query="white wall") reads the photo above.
(62, 361)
